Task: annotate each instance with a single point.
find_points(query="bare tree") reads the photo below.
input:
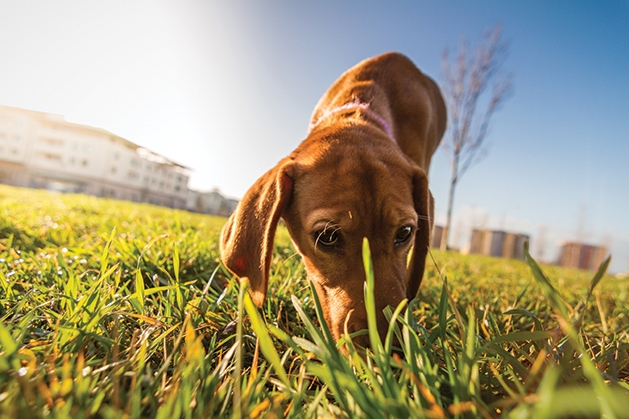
(467, 78)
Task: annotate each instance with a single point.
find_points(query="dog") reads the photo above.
(360, 172)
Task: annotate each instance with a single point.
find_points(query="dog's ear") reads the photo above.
(424, 206)
(248, 236)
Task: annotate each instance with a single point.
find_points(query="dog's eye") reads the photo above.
(403, 234)
(328, 237)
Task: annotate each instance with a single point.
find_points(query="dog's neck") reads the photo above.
(356, 105)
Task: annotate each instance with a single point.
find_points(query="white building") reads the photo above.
(212, 202)
(41, 150)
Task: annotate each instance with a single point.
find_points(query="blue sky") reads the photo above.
(227, 88)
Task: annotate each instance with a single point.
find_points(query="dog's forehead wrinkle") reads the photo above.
(364, 215)
(325, 218)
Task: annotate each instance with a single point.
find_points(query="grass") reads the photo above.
(112, 309)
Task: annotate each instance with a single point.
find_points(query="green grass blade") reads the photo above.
(104, 258)
(388, 342)
(600, 273)
(266, 343)
(319, 340)
(9, 346)
(139, 297)
(176, 262)
(237, 374)
(443, 310)
(370, 300)
(547, 288)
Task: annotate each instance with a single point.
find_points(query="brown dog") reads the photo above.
(361, 172)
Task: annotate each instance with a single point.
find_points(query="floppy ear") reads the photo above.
(424, 206)
(247, 237)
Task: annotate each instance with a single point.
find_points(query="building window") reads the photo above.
(46, 156)
(53, 142)
(106, 192)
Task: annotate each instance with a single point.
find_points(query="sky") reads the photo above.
(227, 88)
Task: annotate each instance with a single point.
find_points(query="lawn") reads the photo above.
(111, 309)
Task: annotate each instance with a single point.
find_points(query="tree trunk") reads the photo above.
(453, 182)
(446, 229)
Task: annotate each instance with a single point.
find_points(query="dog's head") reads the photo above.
(331, 194)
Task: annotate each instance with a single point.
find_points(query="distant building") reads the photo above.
(582, 256)
(211, 202)
(498, 243)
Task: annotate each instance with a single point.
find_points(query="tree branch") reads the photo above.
(467, 78)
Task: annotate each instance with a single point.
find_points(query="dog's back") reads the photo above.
(396, 89)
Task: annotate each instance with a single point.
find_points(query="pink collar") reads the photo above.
(352, 106)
